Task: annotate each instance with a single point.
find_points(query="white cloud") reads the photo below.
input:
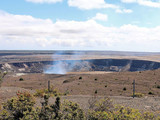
(27, 32)
(44, 1)
(90, 4)
(87, 4)
(128, 1)
(124, 11)
(100, 17)
(149, 3)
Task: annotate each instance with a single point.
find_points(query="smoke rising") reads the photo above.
(64, 62)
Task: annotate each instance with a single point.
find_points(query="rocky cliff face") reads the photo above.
(81, 65)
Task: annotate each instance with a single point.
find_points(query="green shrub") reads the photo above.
(42, 92)
(60, 111)
(80, 78)
(150, 93)
(149, 116)
(158, 86)
(96, 92)
(110, 112)
(23, 107)
(124, 89)
(66, 92)
(21, 79)
(2, 75)
(20, 107)
(104, 105)
(49, 112)
(72, 111)
(105, 110)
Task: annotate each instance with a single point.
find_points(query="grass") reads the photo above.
(139, 95)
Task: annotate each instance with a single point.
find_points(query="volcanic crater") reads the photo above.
(64, 66)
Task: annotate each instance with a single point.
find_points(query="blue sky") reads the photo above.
(121, 25)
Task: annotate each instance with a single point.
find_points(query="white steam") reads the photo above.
(67, 62)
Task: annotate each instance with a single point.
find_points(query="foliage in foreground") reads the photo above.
(52, 92)
(104, 110)
(18, 107)
(23, 107)
(2, 74)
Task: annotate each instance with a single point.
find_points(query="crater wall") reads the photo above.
(116, 65)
